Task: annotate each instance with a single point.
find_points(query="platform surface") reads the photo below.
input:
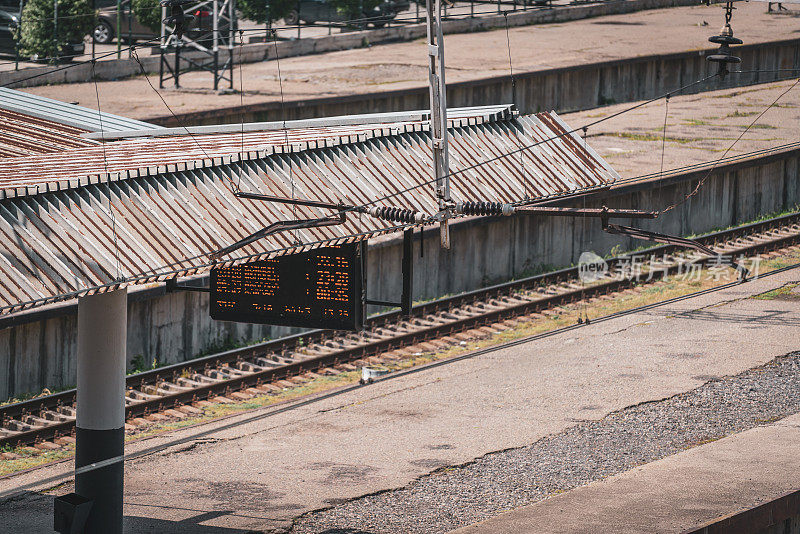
(672, 495)
(263, 473)
(469, 56)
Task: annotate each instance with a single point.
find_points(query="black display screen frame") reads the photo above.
(294, 291)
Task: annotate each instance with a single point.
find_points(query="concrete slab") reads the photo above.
(677, 493)
(263, 472)
(469, 56)
(699, 128)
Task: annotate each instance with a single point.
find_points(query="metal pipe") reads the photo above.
(55, 32)
(177, 72)
(407, 299)
(232, 40)
(130, 29)
(162, 49)
(294, 201)
(215, 42)
(588, 212)
(119, 29)
(100, 421)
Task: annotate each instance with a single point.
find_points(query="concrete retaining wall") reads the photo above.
(122, 68)
(37, 348)
(563, 89)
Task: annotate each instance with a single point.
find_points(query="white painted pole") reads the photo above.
(438, 94)
(100, 422)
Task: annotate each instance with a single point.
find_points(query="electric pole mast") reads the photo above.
(441, 160)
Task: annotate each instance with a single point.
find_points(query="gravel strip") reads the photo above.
(453, 497)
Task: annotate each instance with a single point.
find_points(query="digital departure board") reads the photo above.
(322, 288)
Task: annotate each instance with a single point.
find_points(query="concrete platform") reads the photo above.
(676, 494)
(469, 56)
(266, 470)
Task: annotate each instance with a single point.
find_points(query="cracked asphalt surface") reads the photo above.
(453, 497)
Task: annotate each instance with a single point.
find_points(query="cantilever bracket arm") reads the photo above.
(605, 213)
(646, 235)
(280, 226)
(294, 201)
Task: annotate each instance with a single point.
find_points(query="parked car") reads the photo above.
(105, 30)
(8, 45)
(311, 11)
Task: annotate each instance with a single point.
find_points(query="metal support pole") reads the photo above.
(232, 25)
(130, 29)
(100, 422)
(162, 49)
(119, 29)
(441, 160)
(55, 32)
(177, 73)
(408, 272)
(18, 34)
(215, 41)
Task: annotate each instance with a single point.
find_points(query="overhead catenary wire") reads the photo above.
(79, 63)
(730, 147)
(241, 107)
(285, 130)
(478, 164)
(516, 105)
(168, 269)
(235, 419)
(343, 23)
(177, 119)
(108, 182)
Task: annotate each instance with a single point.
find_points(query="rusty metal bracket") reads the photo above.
(400, 215)
(646, 235)
(280, 226)
(604, 212)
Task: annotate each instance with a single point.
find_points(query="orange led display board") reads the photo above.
(322, 288)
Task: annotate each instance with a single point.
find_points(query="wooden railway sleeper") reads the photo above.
(18, 426)
(55, 416)
(36, 422)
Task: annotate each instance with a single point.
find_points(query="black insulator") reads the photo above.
(394, 214)
(177, 18)
(724, 56)
(481, 208)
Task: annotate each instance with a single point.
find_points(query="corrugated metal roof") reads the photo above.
(23, 135)
(166, 205)
(146, 157)
(66, 114)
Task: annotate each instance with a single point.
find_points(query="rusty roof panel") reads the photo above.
(24, 135)
(165, 203)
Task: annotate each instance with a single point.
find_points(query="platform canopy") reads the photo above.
(135, 210)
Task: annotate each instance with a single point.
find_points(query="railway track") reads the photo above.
(174, 391)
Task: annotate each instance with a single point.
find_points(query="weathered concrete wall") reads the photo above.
(39, 350)
(485, 251)
(563, 89)
(114, 69)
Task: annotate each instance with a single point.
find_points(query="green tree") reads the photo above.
(148, 12)
(354, 9)
(38, 35)
(256, 10)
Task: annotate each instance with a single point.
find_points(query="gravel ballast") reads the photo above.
(453, 497)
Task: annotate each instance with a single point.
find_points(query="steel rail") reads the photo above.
(363, 347)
